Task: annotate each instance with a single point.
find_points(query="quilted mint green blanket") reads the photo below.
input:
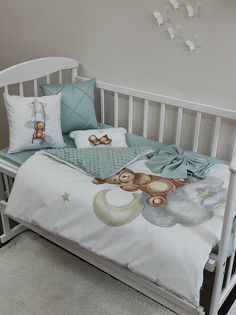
(99, 162)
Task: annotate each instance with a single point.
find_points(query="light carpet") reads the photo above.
(39, 278)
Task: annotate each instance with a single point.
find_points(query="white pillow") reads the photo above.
(110, 137)
(34, 122)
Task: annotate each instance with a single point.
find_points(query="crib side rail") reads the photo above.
(220, 291)
(200, 110)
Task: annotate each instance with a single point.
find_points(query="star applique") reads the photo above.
(66, 197)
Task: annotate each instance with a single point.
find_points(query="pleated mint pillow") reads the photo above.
(77, 104)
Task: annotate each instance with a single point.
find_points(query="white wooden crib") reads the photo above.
(41, 69)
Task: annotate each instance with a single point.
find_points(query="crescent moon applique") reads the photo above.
(113, 215)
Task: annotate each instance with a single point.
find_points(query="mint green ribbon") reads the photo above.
(174, 162)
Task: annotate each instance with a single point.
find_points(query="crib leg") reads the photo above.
(8, 233)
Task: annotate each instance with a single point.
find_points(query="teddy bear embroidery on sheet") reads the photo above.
(163, 202)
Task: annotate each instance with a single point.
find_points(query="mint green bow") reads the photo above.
(174, 162)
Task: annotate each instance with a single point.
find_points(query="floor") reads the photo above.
(206, 290)
(42, 278)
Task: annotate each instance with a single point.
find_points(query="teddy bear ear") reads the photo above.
(98, 181)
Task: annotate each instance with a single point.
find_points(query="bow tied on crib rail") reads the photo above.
(174, 162)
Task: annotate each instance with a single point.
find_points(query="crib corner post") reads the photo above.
(225, 240)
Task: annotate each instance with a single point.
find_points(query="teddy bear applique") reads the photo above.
(39, 131)
(93, 139)
(155, 186)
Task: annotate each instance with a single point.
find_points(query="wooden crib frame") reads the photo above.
(44, 67)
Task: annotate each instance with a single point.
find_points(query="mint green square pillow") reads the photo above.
(77, 104)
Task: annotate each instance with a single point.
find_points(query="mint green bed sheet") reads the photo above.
(132, 139)
(18, 159)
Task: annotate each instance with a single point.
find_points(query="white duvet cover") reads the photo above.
(168, 245)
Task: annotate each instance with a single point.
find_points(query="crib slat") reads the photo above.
(60, 76)
(21, 89)
(35, 87)
(234, 144)
(179, 126)
(10, 180)
(230, 269)
(5, 178)
(145, 119)
(216, 136)
(131, 106)
(48, 79)
(6, 89)
(116, 108)
(162, 123)
(102, 106)
(197, 131)
(73, 75)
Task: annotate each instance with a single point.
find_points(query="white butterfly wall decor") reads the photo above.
(190, 11)
(159, 18)
(176, 32)
(171, 33)
(193, 12)
(175, 4)
(190, 45)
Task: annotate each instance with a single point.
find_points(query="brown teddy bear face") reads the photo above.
(39, 126)
(123, 176)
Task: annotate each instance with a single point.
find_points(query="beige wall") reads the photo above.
(118, 41)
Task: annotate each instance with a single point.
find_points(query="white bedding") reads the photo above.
(61, 200)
